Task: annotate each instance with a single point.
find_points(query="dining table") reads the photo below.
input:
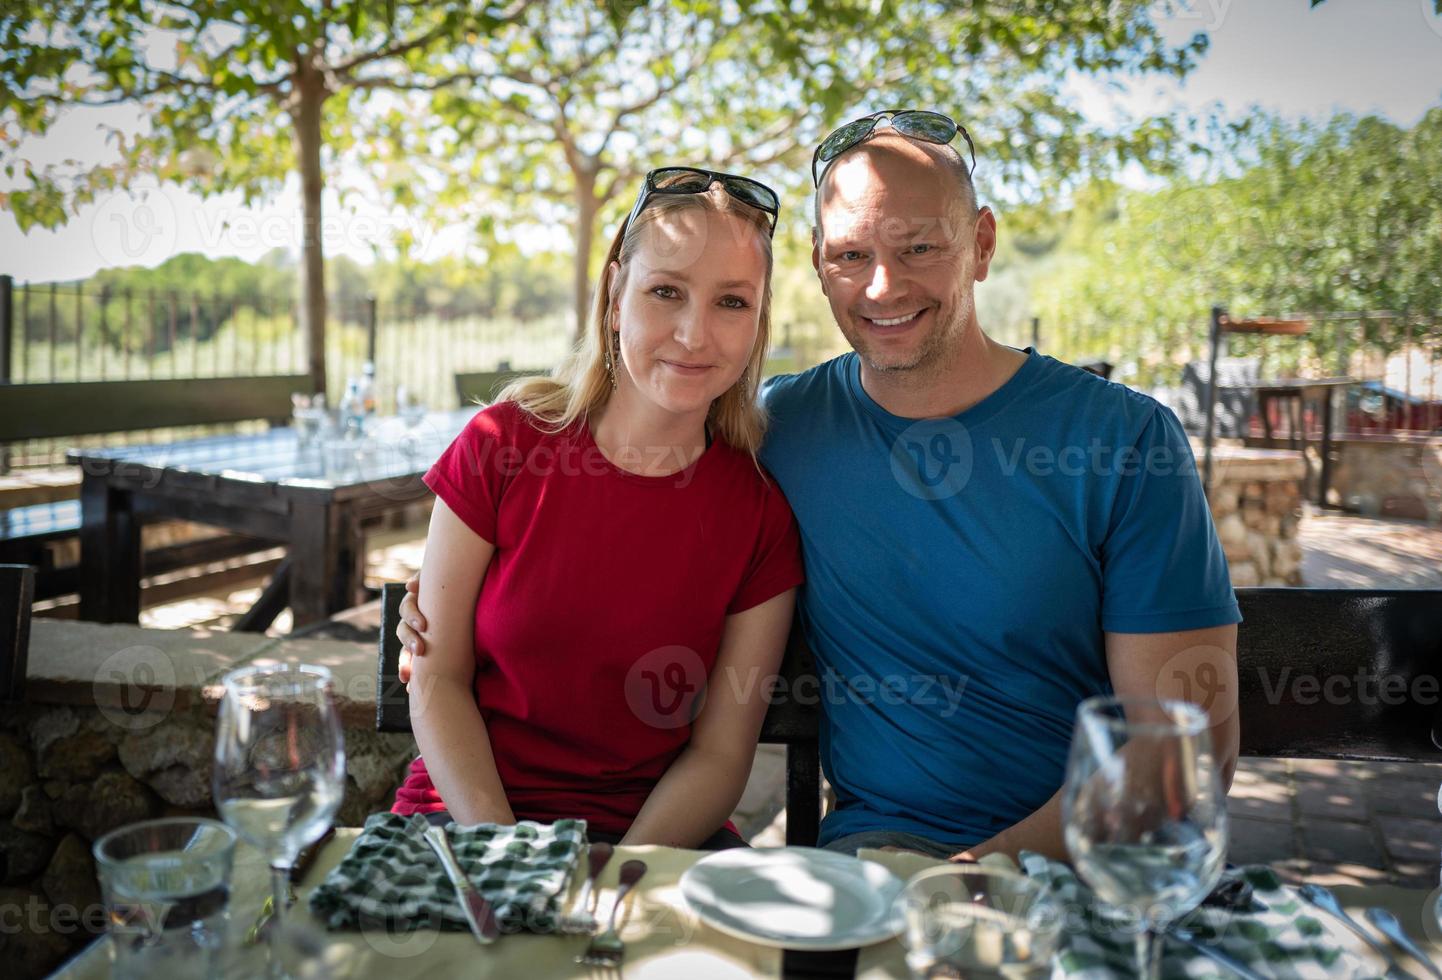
(664, 938)
(313, 495)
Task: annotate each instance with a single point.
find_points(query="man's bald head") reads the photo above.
(900, 148)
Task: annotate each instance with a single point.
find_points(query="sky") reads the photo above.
(1380, 57)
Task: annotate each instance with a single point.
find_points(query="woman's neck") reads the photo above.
(647, 440)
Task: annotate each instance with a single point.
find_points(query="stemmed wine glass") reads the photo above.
(279, 768)
(1144, 812)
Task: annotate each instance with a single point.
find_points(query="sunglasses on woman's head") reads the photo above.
(693, 180)
(918, 124)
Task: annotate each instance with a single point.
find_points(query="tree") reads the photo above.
(557, 115)
(237, 94)
(1305, 218)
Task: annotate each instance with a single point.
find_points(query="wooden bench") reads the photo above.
(67, 409)
(1293, 644)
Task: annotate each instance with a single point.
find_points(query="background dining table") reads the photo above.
(664, 938)
(312, 497)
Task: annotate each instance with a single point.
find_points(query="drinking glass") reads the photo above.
(978, 920)
(166, 885)
(1144, 812)
(279, 767)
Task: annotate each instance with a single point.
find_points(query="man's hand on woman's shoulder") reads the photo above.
(410, 628)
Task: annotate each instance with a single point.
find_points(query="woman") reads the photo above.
(608, 570)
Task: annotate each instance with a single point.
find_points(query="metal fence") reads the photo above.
(62, 332)
(1395, 356)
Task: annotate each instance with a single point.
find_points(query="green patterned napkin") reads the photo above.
(1287, 940)
(392, 879)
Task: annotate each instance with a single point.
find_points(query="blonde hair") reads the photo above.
(580, 385)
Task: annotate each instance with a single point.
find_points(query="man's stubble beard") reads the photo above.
(932, 349)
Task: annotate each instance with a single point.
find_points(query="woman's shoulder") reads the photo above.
(509, 423)
(738, 468)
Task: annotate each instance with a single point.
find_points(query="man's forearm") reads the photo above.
(1040, 831)
(457, 750)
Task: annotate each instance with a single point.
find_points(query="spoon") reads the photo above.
(1386, 923)
(1323, 899)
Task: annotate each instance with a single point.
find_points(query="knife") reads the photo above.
(302, 864)
(478, 912)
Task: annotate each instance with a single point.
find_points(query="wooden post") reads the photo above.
(7, 326)
(17, 592)
(371, 327)
(1036, 333)
(1209, 430)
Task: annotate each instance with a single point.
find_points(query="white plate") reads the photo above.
(794, 897)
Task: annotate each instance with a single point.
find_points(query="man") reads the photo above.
(990, 536)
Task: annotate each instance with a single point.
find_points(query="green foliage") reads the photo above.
(555, 117)
(1330, 218)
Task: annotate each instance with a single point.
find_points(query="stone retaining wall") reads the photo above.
(1256, 502)
(1395, 476)
(119, 726)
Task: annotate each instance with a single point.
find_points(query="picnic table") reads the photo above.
(663, 937)
(314, 499)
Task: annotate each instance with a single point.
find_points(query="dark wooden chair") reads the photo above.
(17, 592)
(1291, 640)
(65, 409)
(482, 386)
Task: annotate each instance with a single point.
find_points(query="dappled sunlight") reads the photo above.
(1349, 552)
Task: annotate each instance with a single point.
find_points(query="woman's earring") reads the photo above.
(613, 354)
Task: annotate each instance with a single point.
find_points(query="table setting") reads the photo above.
(272, 889)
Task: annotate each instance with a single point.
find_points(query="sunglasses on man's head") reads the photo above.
(918, 124)
(694, 180)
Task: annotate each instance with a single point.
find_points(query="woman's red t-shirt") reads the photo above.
(600, 617)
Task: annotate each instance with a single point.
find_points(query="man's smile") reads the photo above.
(890, 323)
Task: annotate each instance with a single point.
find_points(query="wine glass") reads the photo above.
(1144, 812)
(279, 768)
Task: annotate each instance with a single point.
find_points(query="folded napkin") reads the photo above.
(1286, 940)
(391, 878)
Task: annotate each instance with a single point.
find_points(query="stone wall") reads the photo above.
(1393, 476)
(1256, 502)
(118, 726)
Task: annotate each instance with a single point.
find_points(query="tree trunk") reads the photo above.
(586, 208)
(310, 95)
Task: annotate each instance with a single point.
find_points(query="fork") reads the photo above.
(580, 919)
(607, 950)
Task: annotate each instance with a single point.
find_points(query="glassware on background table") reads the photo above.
(166, 885)
(279, 767)
(978, 920)
(309, 421)
(1144, 812)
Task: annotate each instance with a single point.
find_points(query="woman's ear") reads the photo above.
(613, 276)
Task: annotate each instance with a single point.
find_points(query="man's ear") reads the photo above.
(985, 242)
(816, 259)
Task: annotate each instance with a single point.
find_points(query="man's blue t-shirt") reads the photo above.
(960, 573)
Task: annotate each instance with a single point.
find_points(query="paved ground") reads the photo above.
(1328, 821)
(1341, 551)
